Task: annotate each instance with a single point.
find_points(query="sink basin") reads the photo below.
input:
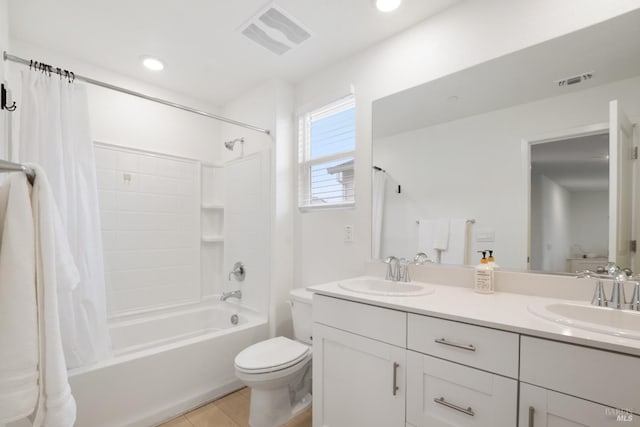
(621, 323)
(374, 286)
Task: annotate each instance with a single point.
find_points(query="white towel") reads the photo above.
(441, 234)
(55, 272)
(426, 229)
(18, 317)
(458, 243)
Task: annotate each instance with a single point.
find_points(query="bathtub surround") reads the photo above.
(55, 134)
(168, 364)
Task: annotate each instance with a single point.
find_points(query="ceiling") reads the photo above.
(577, 164)
(610, 49)
(206, 56)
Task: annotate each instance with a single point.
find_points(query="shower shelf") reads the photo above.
(212, 239)
(212, 206)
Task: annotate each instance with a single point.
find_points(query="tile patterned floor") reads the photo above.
(229, 411)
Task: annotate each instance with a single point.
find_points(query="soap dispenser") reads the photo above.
(483, 276)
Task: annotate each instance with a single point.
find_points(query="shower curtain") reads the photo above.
(55, 133)
(379, 183)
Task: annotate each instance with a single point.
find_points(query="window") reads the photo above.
(327, 142)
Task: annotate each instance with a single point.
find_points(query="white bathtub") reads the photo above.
(164, 365)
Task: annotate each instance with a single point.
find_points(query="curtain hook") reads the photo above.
(73, 77)
(31, 64)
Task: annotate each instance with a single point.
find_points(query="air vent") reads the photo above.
(275, 30)
(568, 81)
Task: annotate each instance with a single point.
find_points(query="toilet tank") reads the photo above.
(300, 302)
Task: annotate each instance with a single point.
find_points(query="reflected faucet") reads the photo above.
(392, 268)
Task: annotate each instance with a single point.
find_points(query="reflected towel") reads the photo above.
(18, 316)
(426, 229)
(441, 234)
(458, 243)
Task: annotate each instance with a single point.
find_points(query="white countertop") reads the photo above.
(501, 310)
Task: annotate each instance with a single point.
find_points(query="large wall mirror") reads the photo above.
(529, 155)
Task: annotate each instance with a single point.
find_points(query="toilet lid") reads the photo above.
(271, 355)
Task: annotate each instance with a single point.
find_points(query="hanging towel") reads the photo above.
(18, 316)
(55, 273)
(441, 234)
(426, 229)
(458, 243)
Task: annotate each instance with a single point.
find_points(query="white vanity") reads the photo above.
(456, 358)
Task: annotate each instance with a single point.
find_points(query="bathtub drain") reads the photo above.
(234, 319)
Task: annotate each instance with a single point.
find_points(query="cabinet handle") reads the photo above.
(532, 410)
(442, 401)
(395, 378)
(469, 347)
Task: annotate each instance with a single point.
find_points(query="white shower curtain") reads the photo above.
(379, 183)
(55, 133)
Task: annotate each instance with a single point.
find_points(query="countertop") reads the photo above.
(500, 310)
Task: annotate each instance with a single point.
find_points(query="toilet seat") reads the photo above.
(274, 354)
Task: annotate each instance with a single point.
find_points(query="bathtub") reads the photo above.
(164, 364)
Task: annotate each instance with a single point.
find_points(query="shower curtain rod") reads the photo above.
(18, 60)
(6, 166)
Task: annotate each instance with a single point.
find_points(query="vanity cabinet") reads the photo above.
(582, 386)
(442, 393)
(359, 364)
(540, 407)
(374, 366)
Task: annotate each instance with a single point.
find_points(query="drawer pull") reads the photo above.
(532, 410)
(469, 347)
(441, 401)
(395, 378)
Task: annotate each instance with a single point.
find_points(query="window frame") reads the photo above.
(305, 164)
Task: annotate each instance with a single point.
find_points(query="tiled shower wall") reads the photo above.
(150, 213)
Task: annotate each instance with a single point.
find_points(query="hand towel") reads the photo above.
(441, 234)
(426, 229)
(18, 315)
(55, 272)
(458, 243)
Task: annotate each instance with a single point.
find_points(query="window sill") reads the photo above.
(327, 207)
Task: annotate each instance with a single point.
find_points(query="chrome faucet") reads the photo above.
(233, 294)
(392, 268)
(619, 277)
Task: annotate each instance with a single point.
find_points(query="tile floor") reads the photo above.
(229, 411)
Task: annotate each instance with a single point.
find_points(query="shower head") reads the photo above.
(229, 144)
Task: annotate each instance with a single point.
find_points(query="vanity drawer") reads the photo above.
(445, 393)
(483, 348)
(378, 323)
(597, 375)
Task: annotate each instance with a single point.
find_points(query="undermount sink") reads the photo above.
(374, 286)
(611, 321)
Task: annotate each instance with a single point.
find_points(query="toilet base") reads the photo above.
(272, 408)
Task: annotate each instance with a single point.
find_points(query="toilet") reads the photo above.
(278, 370)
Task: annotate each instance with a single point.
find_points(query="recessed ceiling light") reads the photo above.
(387, 5)
(151, 63)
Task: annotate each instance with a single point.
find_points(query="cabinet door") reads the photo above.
(540, 407)
(357, 381)
(442, 393)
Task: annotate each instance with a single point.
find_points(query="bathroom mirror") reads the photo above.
(528, 155)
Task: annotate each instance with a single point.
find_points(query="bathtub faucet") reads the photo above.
(233, 294)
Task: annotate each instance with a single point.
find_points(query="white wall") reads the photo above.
(121, 119)
(270, 106)
(470, 33)
(473, 167)
(553, 206)
(589, 226)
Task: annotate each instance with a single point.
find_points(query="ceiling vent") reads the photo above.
(568, 81)
(275, 30)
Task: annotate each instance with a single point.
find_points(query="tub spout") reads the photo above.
(233, 294)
